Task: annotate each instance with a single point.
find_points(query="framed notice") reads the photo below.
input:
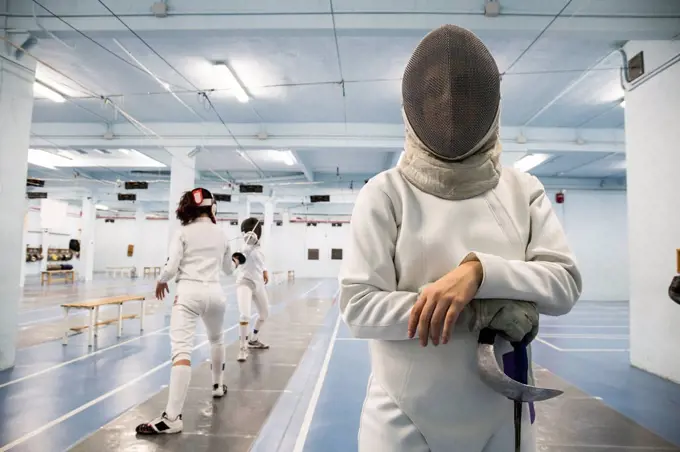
(131, 250)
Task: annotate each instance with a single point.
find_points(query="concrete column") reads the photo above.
(140, 220)
(89, 216)
(243, 210)
(22, 278)
(267, 241)
(653, 164)
(16, 109)
(182, 179)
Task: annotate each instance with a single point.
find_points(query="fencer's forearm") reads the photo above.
(553, 286)
(375, 314)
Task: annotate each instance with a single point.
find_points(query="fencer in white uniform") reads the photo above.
(451, 219)
(199, 251)
(251, 278)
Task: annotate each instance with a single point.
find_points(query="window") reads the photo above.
(336, 254)
(313, 254)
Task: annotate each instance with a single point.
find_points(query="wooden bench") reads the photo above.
(93, 306)
(122, 271)
(47, 276)
(152, 271)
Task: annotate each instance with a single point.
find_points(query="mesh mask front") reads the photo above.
(451, 93)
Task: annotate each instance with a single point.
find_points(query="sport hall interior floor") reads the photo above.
(305, 393)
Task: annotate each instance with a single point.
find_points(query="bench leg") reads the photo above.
(90, 333)
(65, 339)
(96, 321)
(120, 320)
(141, 316)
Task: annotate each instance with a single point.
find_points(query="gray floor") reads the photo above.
(232, 423)
(576, 422)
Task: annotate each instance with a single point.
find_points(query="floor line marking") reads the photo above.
(101, 398)
(554, 347)
(105, 396)
(595, 350)
(557, 325)
(80, 358)
(311, 408)
(607, 337)
(88, 355)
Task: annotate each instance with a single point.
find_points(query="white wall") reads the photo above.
(595, 223)
(596, 226)
(57, 239)
(653, 154)
(292, 240)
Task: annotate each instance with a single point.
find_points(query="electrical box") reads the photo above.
(636, 67)
(160, 9)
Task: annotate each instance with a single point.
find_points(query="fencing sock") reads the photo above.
(217, 363)
(243, 333)
(180, 376)
(256, 330)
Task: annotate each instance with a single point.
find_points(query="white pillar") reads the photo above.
(22, 278)
(653, 160)
(16, 109)
(182, 179)
(89, 216)
(267, 230)
(140, 222)
(243, 210)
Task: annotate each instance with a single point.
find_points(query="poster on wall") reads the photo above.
(131, 250)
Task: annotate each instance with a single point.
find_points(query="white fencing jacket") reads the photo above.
(252, 271)
(198, 251)
(402, 239)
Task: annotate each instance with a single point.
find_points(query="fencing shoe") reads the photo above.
(219, 391)
(161, 425)
(242, 355)
(256, 344)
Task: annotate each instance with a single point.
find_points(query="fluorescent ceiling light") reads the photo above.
(530, 161)
(46, 159)
(101, 207)
(232, 82)
(124, 151)
(41, 90)
(285, 157)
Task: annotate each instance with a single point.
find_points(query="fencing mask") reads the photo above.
(451, 93)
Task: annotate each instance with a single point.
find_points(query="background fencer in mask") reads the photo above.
(432, 240)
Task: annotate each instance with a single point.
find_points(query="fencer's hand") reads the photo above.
(441, 302)
(265, 276)
(161, 290)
